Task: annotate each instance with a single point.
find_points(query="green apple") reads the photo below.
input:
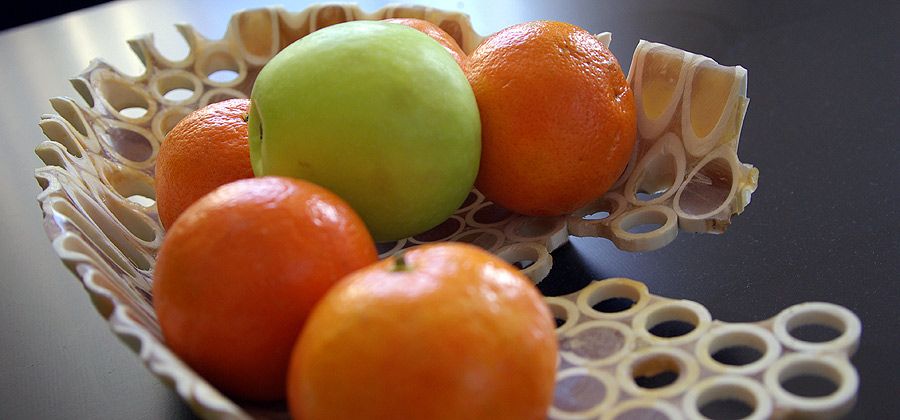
(377, 112)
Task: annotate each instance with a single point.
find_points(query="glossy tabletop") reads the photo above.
(822, 127)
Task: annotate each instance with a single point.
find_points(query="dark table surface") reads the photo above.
(823, 129)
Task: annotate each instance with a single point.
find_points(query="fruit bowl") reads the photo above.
(98, 182)
(684, 174)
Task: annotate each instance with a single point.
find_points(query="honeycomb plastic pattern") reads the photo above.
(98, 186)
(603, 353)
(685, 173)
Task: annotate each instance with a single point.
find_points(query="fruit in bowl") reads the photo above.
(443, 331)
(383, 115)
(558, 117)
(377, 112)
(239, 272)
(205, 150)
(519, 125)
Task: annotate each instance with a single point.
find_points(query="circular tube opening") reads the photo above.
(218, 67)
(738, 348)
(488, 239)
(728, 397)
(565, 314)
(613, 298)
(596, 343)
(810, 379)
(657, 372)
(126, 100)
(707, 189)
(672, 322)
(818, 326)
(441, 232)
(583, 393)
(167, 120)
(473, 199)
(489, 214)
(643, 409)
(813, 384)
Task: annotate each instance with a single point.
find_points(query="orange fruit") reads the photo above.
(239, 272)
(557, 117)
(206, 149)
(446, 331)
(439, 35)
